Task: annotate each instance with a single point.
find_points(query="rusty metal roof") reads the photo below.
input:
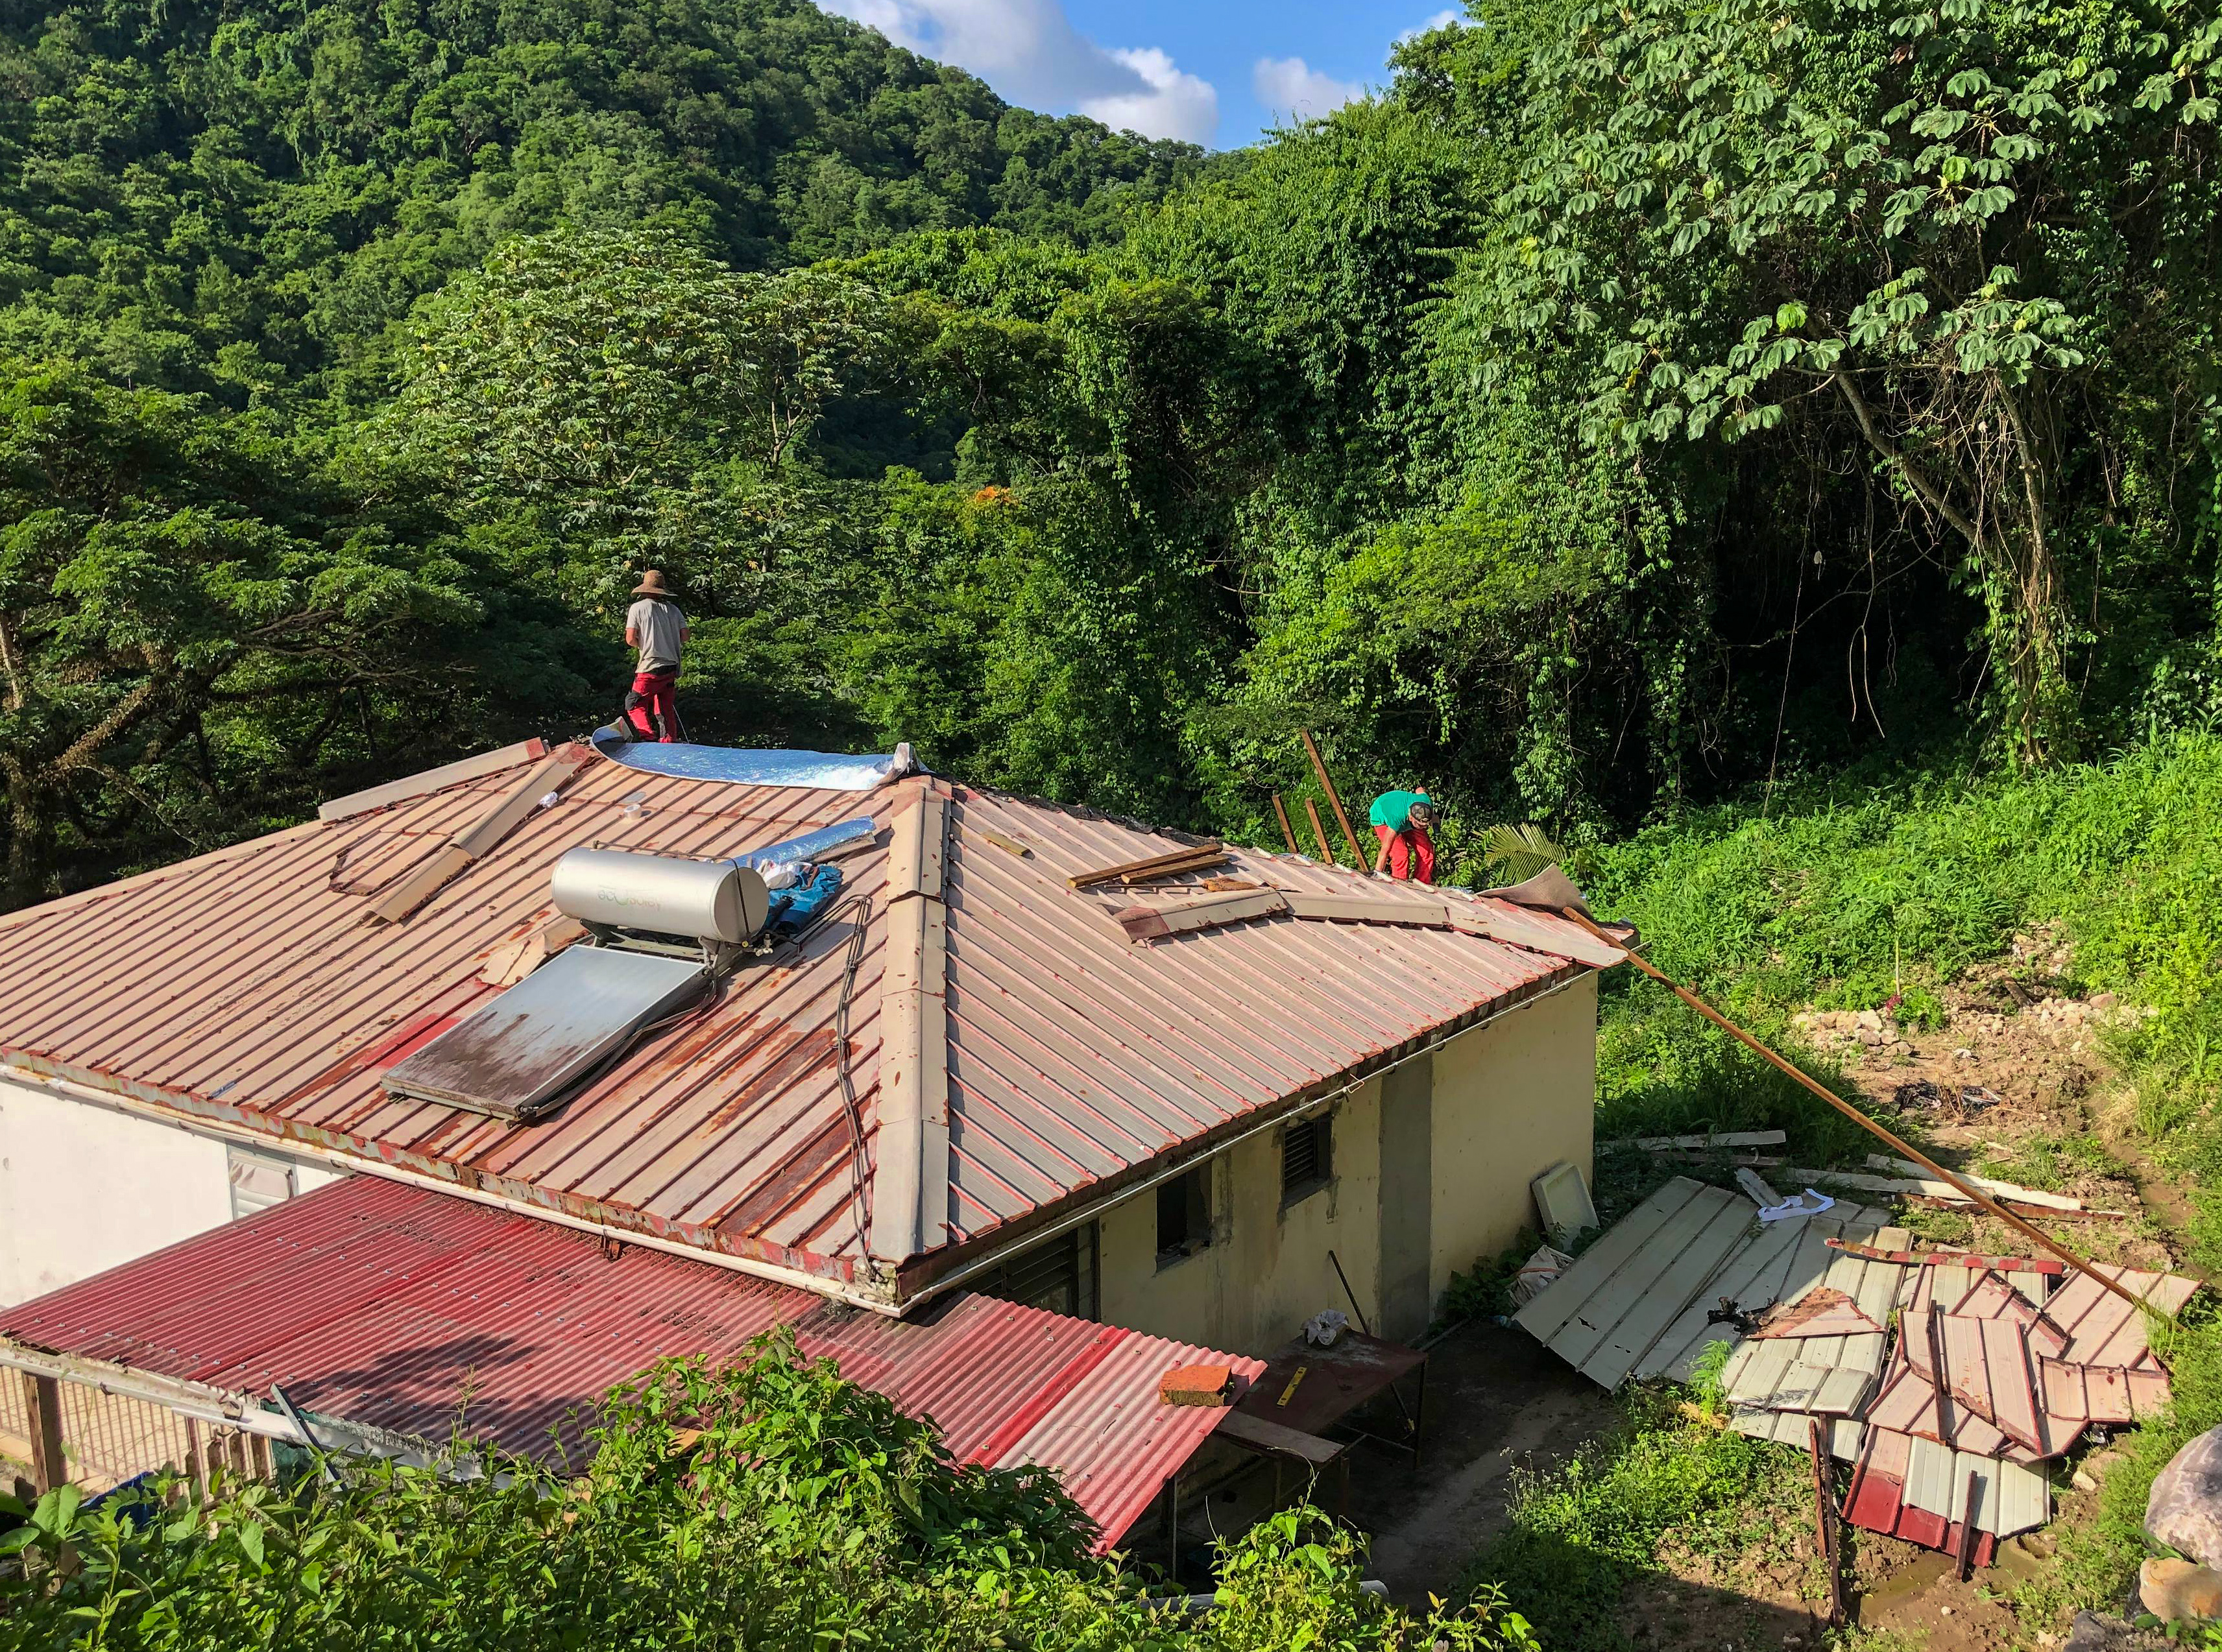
(254, 986)
(410, 1310)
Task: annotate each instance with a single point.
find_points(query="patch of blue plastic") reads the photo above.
(741, 766)
(811, 846)
(794, 909)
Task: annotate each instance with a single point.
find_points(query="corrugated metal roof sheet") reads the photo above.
(2101, 1328)
(408, 1310)
(253, 986)
(1877, 1501)
(1604, 1315)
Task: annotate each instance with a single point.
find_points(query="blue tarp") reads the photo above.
(740, 766)
(793, 909)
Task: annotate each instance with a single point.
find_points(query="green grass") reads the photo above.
(1581, 1533)
(1841, 901)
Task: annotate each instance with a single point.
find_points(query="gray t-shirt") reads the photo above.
(660, 626)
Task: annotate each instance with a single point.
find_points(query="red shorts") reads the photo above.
(1412, 853)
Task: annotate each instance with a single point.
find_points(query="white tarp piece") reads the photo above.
(740, 766)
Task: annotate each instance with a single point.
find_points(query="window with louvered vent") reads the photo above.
(1307, 1159)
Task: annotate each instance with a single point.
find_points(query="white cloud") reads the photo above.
(1291, 87)
(1029, 51)
(1441, 20)
(1177, 104)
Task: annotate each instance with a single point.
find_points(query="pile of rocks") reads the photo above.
(1871, 1030)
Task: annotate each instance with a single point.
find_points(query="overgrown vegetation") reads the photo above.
(765, 1504)
(1579, 1534)
(1622, 410)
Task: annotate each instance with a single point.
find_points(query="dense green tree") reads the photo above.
(241, 201)
(1979, 236)
(202, 627)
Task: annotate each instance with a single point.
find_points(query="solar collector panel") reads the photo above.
(519, 1054)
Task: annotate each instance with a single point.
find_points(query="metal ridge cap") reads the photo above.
(224, 1406)
(168, 1108)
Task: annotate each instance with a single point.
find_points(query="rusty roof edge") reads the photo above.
(227, 1406)
(923, 1279)
(826, 1276)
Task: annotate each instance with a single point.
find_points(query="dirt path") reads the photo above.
(1499, 1403)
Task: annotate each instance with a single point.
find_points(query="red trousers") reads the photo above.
(1412, 853)
(653, 705)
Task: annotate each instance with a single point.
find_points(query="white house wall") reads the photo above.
(83, 1187)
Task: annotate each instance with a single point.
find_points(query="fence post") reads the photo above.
(43, 1395)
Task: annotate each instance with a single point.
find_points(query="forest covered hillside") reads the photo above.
(1627, 409)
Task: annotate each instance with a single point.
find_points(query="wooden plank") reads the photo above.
(1262, 1433)
(1996, 1189)
(483, 835)
(397, 903)
(49, 1462)
(1145, 922)
(432, 779)
(1825, 1519)
(1211, 851)
(1726, 1139)
(1594, 1269)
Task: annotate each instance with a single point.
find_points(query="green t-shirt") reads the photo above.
(1394, 809)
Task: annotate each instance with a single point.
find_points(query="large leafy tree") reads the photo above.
(200, 628)
(1978, 235)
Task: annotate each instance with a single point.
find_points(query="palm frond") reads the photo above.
(1513, 853)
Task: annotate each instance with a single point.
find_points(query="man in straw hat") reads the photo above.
(654, 625)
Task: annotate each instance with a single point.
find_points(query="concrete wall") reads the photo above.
(1511, 1100)
(82, 1188)
(1431, 1166)
(1266, 1270)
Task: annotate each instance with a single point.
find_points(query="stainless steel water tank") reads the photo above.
(713, 900)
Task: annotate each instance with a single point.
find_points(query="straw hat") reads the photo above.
(651, 585)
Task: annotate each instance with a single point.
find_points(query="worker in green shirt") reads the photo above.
(1400, 820)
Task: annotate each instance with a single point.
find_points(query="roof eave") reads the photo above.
(840, 1277)
(922, 1278)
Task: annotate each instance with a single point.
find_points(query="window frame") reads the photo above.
(1321, 1127)
(1193, 1186)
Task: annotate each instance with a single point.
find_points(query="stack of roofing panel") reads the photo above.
(1991, 1377)
(1948, 1422)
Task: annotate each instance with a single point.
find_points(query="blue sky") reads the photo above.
(1213, 72)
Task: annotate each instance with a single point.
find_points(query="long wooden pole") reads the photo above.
(1334, 798)
(1319, 832)
(2027, 1229)
(1281, 812)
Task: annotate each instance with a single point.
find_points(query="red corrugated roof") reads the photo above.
(253, 986)
(403, 1309)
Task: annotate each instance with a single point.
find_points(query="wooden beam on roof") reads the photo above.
(1145, 922)
(1155, 922)
(432, 779)
(910, 1182)
(1192, 857)
(552, 773)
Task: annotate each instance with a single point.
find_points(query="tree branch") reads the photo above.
(1915, 477)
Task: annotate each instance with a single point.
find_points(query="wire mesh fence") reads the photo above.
(110, 1438)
